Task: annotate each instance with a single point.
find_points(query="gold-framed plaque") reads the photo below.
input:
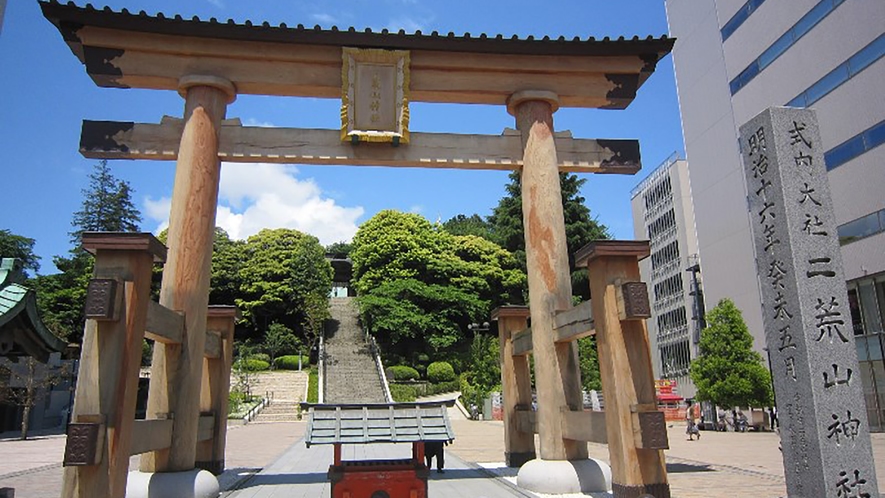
(375, 95)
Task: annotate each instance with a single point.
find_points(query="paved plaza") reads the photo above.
(719, 465)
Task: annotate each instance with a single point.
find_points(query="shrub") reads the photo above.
(402, 393)
(253, 365)
(402, 372)
(290, 362)
(259, 357)
(443, 387)
(440, 371)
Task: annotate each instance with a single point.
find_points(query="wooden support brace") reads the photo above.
(213, 345)
(574, 323)
(584, 425)
(526, 420)
(206, 426)
(522, 342)
(164, 325)
(151, 435)
(568, 325)
(635, 429)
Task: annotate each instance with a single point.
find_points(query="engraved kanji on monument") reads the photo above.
(824, 430)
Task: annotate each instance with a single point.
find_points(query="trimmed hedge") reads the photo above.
(442, 387)
(403, 372)
(290, 362)
(259, 356)
(252, 365)
(440, 371)
(402, 393)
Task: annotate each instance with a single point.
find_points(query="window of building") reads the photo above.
(739, 17)
(870, 224)
(868, 139)
(854, 307)
(842, 73)
(784, 42)
(675, 358)
(869, 308)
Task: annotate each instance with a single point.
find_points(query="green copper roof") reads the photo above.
(22, 332)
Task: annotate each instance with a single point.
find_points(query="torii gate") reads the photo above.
(209, 63)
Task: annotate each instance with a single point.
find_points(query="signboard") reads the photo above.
(375, 96)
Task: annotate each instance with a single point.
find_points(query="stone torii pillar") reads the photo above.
(557, 373)
(177, 369)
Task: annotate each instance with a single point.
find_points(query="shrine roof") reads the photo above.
(377, 423)
(59, 13)
(22, 332)
(128, 50)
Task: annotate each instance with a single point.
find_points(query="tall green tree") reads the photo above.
(339, 249)
(227, 260)
(20, 247)
(280, 270)
(728, 372)
(106, 207)
(419, 286)
(468, 225)
(580, 226)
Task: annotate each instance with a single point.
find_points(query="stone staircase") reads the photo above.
(351, 375)
(288, 389)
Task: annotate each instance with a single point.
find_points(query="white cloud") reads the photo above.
(158, 210)
(257, 196)
(217, 3)
(416, 209)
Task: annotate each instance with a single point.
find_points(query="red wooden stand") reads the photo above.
(401, 478)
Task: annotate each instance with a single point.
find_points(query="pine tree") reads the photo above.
(581, 227)
(107, 207)
(728, 371)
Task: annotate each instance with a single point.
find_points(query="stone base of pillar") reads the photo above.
(518, 459)
(558, 477)
(196, 483)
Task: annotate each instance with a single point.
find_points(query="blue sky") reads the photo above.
(45, 94)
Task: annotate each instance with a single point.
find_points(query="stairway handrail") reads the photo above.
(373, 346)
(321, 364)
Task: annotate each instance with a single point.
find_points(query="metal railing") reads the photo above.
(321, 367)
(373, 347)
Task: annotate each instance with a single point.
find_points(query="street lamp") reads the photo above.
(475, 327)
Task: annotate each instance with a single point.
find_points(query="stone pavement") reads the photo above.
(719, 465)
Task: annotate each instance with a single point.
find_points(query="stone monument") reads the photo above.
(824, 430)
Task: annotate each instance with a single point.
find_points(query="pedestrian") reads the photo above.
(691, 426)
(435, 449)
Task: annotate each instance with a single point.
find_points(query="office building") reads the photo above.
(735, 58)
(663, 215)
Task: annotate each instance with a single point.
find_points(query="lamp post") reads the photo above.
(476, 327)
